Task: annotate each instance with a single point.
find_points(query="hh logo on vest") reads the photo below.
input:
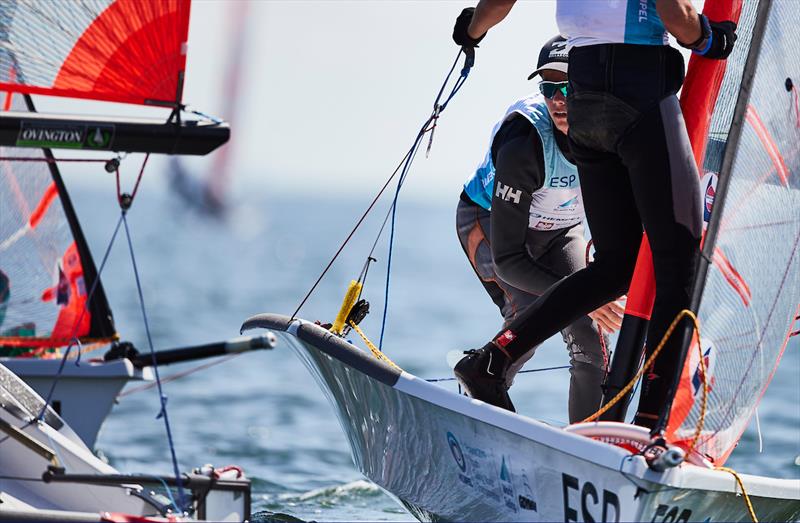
(508, 193)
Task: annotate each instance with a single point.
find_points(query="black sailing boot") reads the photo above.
(482, 373)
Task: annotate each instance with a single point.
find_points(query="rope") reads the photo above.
(403, 168)
(744, 493)
(75, 340)
(375, 350)
(429, 125)
(179, 375)
(435, 380)
(163, 398)
(347, 239)
(126, 200)
(703, 406)
(621, 394)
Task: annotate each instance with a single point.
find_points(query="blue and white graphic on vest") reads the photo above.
(592, 22)
(558, 203)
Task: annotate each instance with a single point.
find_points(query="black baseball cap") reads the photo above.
(552, 56)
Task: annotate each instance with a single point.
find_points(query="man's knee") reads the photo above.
(585, 345)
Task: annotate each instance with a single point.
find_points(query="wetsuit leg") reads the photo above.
(611, 85)
(666, 186)
(587, 348)
(473, 228)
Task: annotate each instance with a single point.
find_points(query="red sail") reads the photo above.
(131, 51)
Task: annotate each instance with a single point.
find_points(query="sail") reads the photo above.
(748, 287)
(46, 271)
(131, 51)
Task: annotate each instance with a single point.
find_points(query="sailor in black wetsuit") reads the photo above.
(533, 235)
(637, 172)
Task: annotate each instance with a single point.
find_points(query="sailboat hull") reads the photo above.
(447, 457)
(85, 394)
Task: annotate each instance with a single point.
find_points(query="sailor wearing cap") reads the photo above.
(637, 172)
(519, 221)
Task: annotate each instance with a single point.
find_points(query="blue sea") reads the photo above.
(202, 277)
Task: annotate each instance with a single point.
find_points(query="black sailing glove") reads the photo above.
(716, 39)
(723, 37)
(460, 34)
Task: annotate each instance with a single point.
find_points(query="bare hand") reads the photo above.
(609, 316)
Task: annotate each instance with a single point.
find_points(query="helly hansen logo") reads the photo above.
(505, 338)
(507, 193)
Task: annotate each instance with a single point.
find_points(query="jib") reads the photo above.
(592, 506)
(563, 181)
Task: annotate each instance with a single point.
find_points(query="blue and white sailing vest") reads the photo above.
(590, 22)
(558, 204)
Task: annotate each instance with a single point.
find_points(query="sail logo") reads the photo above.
(699, 375)
(65, 136)
(710, 183)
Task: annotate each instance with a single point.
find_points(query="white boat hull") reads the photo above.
(85, 394)
(47, 473)
(447, 457)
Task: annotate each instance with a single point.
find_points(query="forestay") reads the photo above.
(749, 282)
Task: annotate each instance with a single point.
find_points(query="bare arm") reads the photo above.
(488, 13)
(680, 19)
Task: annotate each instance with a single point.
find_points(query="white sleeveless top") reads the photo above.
(591, 22)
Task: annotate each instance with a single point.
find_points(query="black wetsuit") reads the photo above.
(637, 172)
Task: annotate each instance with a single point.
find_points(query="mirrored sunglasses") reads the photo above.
(549, 89)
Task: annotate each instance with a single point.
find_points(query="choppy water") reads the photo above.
(262, 410)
